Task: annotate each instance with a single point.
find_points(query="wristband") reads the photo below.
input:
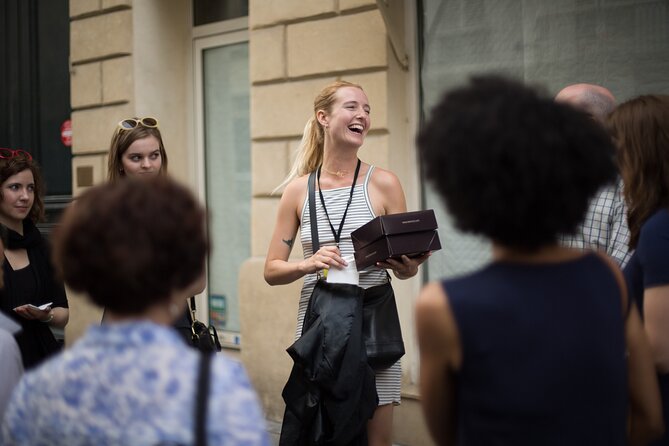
(49, 319)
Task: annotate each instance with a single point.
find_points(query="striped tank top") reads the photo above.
(360, 212)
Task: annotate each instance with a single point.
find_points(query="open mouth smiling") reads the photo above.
(356, 128)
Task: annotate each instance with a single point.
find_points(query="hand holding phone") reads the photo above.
(44, 307)
(32, 312)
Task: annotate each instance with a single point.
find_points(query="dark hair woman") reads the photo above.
(31, 292)
(640, 128)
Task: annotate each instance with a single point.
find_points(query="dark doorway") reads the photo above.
(35, 89)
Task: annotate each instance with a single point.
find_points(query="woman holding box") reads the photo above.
(346, 188)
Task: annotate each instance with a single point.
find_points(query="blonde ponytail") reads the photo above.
(309, 153)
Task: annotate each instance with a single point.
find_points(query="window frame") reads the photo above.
(204, 37)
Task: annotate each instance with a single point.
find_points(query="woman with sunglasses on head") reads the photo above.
(137, 149)
(32, 294)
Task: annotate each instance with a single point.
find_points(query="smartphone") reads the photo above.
(46, 306)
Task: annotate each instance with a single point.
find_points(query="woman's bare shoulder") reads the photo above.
(295, 192)
(386, 192)
(384, 178)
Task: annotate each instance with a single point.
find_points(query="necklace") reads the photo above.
(337, 234)
(339, 173)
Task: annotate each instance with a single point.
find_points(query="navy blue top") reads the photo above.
(543, 354)
(649, 267)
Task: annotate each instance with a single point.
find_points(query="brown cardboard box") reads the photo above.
(408, 233)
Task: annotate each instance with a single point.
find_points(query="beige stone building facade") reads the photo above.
(141, 58)
(233, 94)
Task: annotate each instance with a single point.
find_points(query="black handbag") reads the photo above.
(202, 337)
(381, 327)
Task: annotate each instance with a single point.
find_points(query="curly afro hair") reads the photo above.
(129, 244)
(512, 164)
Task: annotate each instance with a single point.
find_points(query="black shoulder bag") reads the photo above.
(202, 338)
(381, 328)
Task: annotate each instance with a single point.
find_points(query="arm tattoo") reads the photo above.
(288, 242)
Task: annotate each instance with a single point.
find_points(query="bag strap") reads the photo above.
(217, 343)
(315, 244)
(191, 309)
(201, 400)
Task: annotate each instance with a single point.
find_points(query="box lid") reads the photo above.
(392, 224)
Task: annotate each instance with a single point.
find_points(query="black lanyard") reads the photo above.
(337, 234)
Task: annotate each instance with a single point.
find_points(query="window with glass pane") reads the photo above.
(620, 44)
(228, 178)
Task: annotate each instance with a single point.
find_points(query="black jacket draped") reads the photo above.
(331, 393)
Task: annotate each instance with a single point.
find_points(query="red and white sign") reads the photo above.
(66, 133)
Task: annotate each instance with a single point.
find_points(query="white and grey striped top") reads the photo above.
(359, 213)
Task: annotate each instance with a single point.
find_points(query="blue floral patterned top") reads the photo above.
(131, 384)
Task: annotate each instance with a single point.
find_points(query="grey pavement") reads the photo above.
(274, 429)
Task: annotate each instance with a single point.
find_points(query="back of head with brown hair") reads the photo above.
(130, 244)
(640, 128)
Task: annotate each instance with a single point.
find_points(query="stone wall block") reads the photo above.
(263, 218)
(117, 79)
(352, 4)
(113, 3)
(360, 43)
(85, 165)
(78, 7)
(268, 12)
(280, 110)
(86, 85)
(92, 129)
(267, 54)
(375, 151)
(268, 317)
(100, 36)
(269, 162)
(376, 88)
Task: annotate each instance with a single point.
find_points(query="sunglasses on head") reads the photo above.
(131, 123)
(9, 153)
